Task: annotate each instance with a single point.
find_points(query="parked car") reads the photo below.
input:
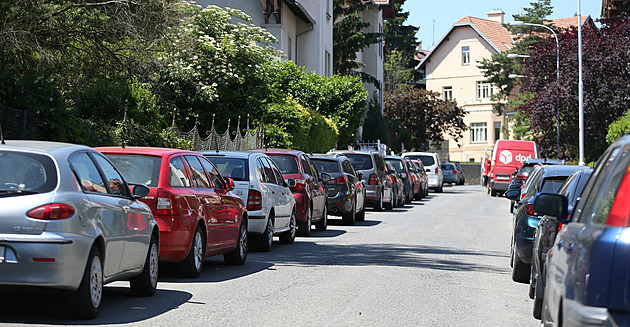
(405, 175)
(507, 156)
(372, 165)
(431, 163)
(416, 178)
(261, 186)
(70, 221)
(397, 184)
(309, 190)
(423, 177)
(587, 268)
(520, 175)
(545, 236)
(451, 174)
(525, 219)
(346, 189)
(196, 211)
(460, 172)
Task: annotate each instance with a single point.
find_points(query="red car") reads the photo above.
(196, 213)
(309, 190)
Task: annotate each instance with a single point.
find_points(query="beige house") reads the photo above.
(451, 70)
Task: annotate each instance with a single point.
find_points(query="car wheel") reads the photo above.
(379, 204)
(304, 227)
(288, 237)
(520, 270)
(441, 188)
(493, 192)
(408, 197)
(145, 284)
(350, 217)
(532, 278)
(390, 205)
(361, 214)
(193, 264)
(85, 302)
(264, 241)
(238, 256)
(322, 224)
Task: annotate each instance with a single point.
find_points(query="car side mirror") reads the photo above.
(140, 191)
(551, 204)
(229, 183)
(291, 182)
(513, 194)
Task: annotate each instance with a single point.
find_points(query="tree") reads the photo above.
(350, 37)
(425, 115)
(606, 78)
(396, 73)
(400, 38)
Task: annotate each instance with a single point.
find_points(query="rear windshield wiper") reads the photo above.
(16, 192)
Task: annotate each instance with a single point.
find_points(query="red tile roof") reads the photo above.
(492, 30)
(567, 22)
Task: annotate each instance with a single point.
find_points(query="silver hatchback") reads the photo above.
(69, 221)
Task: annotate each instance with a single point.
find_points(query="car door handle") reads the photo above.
(570, 247)
(560, 243)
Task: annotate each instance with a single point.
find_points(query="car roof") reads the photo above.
(561, 170)
(353, 151)
(393, 157)
(279, 151)
(230, 154)
(534, 161)
(38, 146)
(420, 153)
(143, 150)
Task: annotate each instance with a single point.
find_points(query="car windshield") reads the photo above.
(286, 164)
(398, 164)
(326, 166)
(138, 169)
(426, 160)
(234, 168)
(360, 161)
(26, 173)
(552, 185)
(448, 167)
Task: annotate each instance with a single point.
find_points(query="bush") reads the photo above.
(618, 128)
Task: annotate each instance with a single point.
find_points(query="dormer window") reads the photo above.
(466, 55)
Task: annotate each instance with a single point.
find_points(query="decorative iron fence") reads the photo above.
(244, 139)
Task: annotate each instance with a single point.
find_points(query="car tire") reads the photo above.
(441, 188)
(520, 270)
(408, 197)
(192, 266)
(350, 217)
(390, 205)
(493, 192)
(538, 299)
(85, 302)
(264, 241)
(361, 214)
(145, 284)
(238, 256)
(322, 224)
(288, 237)
(304, 227)
(379, 203)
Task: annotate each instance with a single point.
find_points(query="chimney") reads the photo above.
(497, 16)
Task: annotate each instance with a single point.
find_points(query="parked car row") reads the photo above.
(76, 218)
(580, 244)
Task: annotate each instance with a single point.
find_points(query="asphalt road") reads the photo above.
(442, 261)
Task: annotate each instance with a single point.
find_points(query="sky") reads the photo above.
(422, 13)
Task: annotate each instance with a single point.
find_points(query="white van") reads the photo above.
(431, 163)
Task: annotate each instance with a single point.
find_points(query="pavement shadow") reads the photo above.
(40, 306)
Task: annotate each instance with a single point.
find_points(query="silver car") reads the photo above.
(259, 182)
(69, 221)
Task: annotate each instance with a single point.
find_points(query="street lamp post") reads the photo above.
(520, 23)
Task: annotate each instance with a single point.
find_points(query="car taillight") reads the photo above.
(437, 170)
(521, 177)
(300, 184)
(53, 211)
(166, 204)
(530, 210)
(337, 181)
(619, 214)
(373, 179)
(455, 171)
(254, 200)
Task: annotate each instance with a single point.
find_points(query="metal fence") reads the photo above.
(244, 139)
(17, 123)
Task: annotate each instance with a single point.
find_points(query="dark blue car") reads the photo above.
(588, 275)
(525, 219)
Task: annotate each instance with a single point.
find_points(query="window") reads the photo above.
(276, 171)
(199, 176)
(87, 173)
(270, 177)
(497, 131)
(327, 64)
(290, 49)
(465, 55)
(484, 90)
(216, 180)
(114, 180)
(178, 175)
(447, 93)
(478, 132)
